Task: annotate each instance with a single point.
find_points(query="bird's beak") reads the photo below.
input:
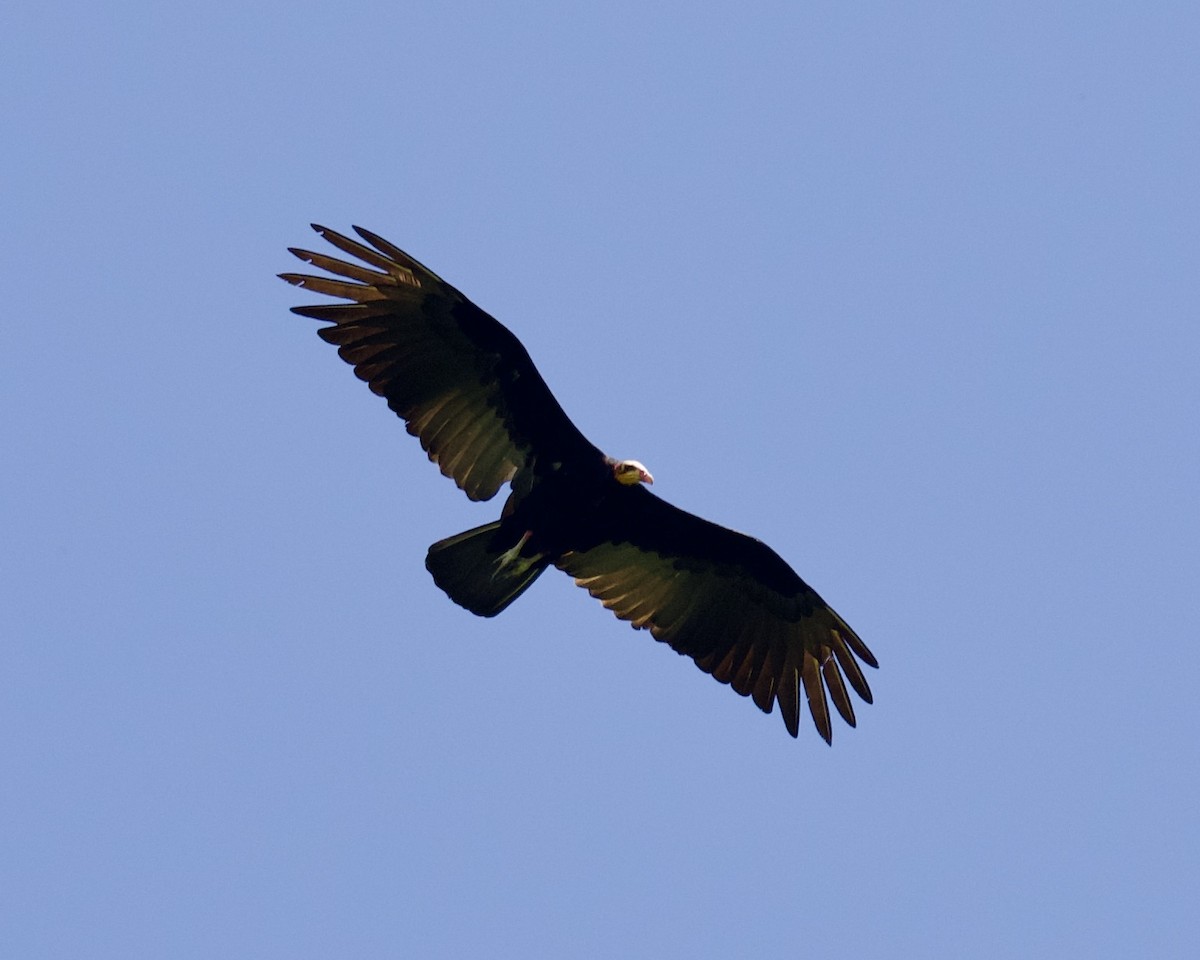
(645, 477)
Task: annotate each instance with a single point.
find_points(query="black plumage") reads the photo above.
(467, 389)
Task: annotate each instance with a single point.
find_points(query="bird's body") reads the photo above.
(466, 387)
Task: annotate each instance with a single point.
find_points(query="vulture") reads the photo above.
(467, 389)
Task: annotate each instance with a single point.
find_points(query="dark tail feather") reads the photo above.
(475, 573)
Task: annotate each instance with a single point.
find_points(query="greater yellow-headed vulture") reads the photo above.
(468, 391)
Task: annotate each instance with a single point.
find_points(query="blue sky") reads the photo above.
(910, 292)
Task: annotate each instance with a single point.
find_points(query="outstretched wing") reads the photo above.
(726, 600)
(463, 384)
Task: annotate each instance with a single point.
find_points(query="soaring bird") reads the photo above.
(467, 389)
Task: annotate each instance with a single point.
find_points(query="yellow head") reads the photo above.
(630, 472)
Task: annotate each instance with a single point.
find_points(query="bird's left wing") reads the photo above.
(726, 600)
(462, 382)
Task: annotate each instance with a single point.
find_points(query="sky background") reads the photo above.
(911, 292)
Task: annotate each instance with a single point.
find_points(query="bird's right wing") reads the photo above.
(462, 382)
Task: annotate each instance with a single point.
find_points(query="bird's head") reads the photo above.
(630, 472)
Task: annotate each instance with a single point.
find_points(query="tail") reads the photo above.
(480, 575)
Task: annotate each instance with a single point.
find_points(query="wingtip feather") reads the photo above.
(814, 691)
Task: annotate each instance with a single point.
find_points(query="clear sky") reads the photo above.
(911, 292)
